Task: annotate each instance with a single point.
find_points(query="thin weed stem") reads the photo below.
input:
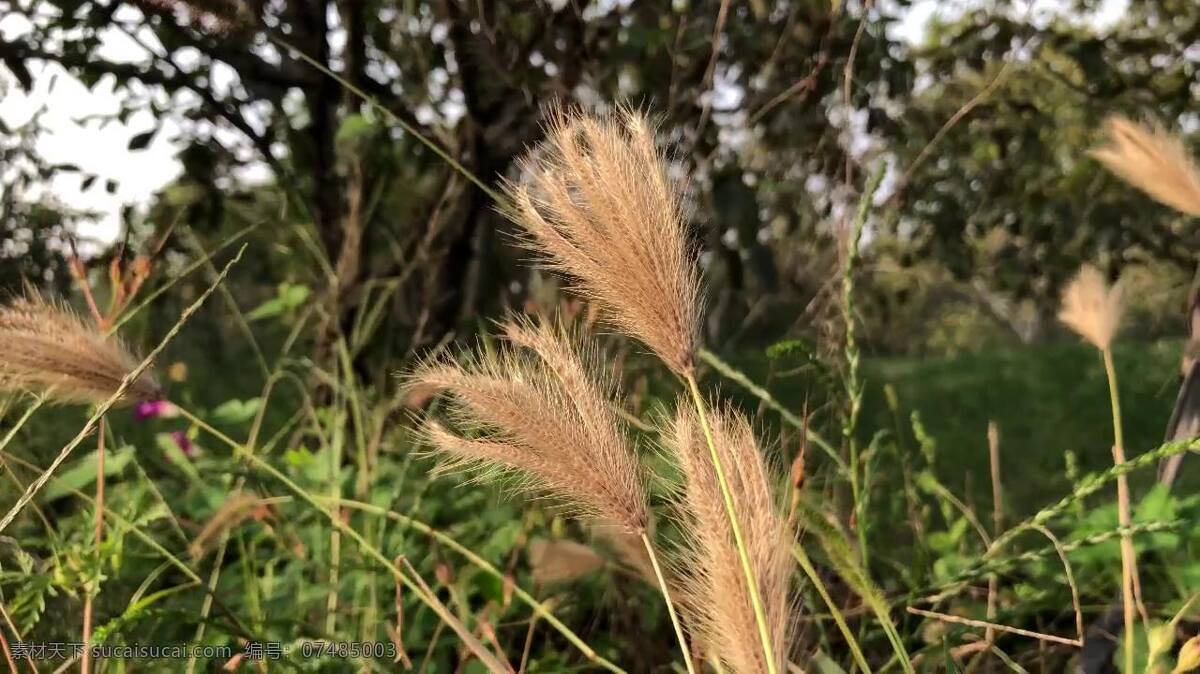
(103, 407)
(729, 372)
(539, 608)
(469, 640)
(391, 117)
(845, 563)
(760, 616)
(854, 385)
(813, 577)
(85, 660)
(953, 619)
(662, 584)
(1129, 582)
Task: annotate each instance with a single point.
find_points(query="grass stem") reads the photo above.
(85, 658)
(1128, 554)
(662, 584)
(539, 608)
(760, 616)
(851, 642)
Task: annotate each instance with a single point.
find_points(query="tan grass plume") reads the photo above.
(236, 509)
(539, 408)
(47, 348)
(1091, 308)
(716, 595)
(1154, 161)
(600, 208)
(561, 561)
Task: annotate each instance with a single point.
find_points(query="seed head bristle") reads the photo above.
(1091, 308)
(600, 208)
(539, 409)
(49, 349)
(1154, 161)
(714, 586)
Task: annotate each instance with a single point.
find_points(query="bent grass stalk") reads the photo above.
(539, 608)
(1092, 484)
(847, 634)
(843, 561)
(469, 640)
(315, 501)
(760, 617)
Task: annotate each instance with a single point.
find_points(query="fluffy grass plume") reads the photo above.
(538, 409)
(1154, 161)
(1091, 308)
(716, 595)
(599, 207)
(49, 349)
(561, 561)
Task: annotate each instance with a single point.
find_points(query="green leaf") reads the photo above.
(289, 296)
(298, 457)
(83, 473)
(788, 347)
(823, 664)
(183, 194)
(355, 127)
(237, 411)
(175, 455)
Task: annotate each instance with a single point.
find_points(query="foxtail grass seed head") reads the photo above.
(716, 595)
(599, 207)
(561, 561)
(1091, 308)
(1154, 161)
(48, 349)
(538, 409)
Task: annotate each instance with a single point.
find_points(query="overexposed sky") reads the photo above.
(70, 112)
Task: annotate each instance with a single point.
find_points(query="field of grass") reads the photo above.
(1048, 399)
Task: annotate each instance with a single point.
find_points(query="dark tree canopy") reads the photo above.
(777, 112)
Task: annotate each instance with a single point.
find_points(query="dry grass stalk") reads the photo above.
(717, 596)
(1091, 308)
(1154, 161)
(537, 409)
(600, 208)
(48, 349)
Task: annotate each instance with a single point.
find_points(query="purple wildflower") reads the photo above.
(185, 444)
(154, 409)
